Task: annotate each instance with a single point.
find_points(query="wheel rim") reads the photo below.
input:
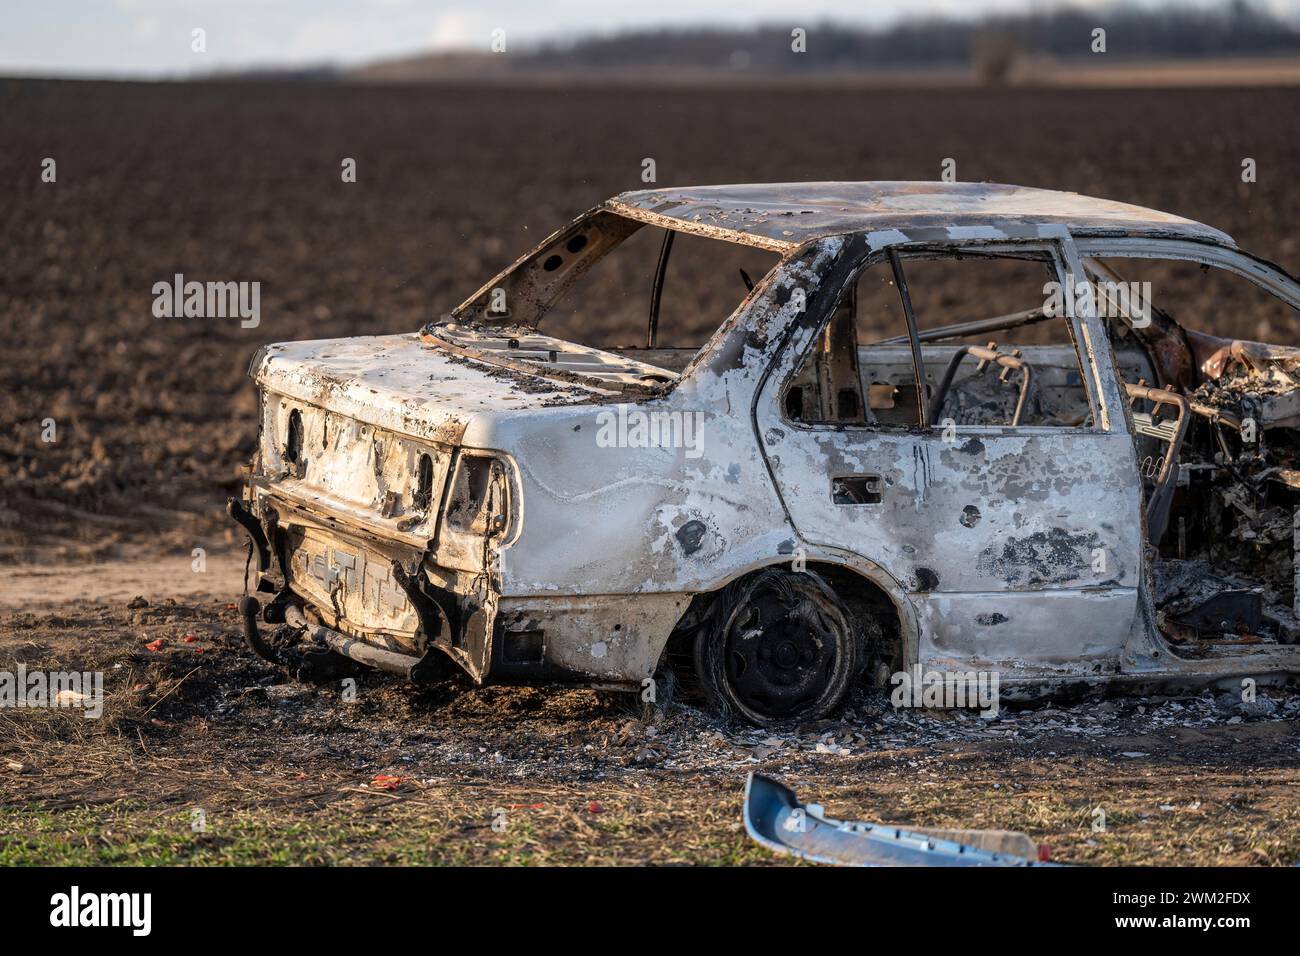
(781, 652)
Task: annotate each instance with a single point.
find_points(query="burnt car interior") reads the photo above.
(862, 371)
(1216, 428)
(1216, 421)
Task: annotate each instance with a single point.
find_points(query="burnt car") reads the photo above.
(944, 428)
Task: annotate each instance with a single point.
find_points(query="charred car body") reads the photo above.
(1101, 498)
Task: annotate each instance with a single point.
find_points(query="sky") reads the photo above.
(151, 38)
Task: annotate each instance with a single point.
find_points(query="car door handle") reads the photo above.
(856, 489)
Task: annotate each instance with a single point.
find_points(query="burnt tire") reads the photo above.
(778, 645)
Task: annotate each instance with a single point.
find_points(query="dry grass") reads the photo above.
(290, 774)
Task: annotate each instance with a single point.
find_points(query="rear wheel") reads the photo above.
(778, 645)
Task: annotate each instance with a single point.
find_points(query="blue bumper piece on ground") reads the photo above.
(775, 818)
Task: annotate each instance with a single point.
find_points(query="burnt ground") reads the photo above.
(154, 416)
(294, 773)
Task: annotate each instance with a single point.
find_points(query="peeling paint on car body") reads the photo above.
(539, 556)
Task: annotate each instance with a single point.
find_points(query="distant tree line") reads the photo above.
(1239, 29)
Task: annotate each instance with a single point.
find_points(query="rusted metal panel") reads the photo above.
(349, 582)
(607, 638)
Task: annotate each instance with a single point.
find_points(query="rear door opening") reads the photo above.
(1218, 445)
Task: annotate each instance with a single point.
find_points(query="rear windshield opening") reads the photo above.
(652, 295)
(703, 281)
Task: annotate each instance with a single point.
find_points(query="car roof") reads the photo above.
(783, 216)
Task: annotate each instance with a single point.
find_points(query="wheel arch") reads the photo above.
(862, 585)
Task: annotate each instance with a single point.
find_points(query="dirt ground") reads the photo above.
(207, 755)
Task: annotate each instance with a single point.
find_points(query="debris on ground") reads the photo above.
(776, 819)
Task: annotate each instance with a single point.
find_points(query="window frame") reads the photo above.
(1051, 250)
(612, 229)
(1266, 275)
